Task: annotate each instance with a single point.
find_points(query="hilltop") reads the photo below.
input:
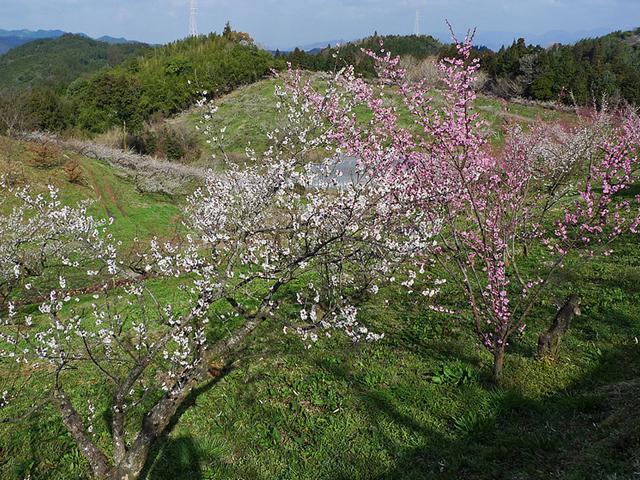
(102, 88)
(57, 62)
(582, 72)
(158, 81)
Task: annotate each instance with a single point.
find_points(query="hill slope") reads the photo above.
(113, 192)
(249, 113)
(165, 81)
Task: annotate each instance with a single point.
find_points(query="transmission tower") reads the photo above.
(417, 25)
(193, 23)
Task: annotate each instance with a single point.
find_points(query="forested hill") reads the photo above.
(167, 81)
(417, 46)
(149, 82)
(583, 72)
(57, 62)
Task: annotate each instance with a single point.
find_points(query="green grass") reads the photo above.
(111, 193)
(248, 113)
(375, 411)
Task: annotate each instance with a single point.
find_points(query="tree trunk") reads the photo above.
(498, 364)
(130, 468)
(130, 462)
(549, 341)
(73, 422)
(153, 425)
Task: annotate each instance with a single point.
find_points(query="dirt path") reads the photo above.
(509, 115)
(108, 190)
(114, 199)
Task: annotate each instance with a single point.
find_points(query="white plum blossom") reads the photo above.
(282, 224)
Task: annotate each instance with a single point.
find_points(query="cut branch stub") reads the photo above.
(550, 340)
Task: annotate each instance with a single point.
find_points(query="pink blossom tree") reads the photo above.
(556, 186)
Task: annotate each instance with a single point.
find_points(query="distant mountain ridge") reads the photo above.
(310, 47)
(14, 38)
(115, 40)
(31, 34)
(491, 39)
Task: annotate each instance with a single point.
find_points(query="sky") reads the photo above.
(287, 23)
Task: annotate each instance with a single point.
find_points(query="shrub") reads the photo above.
(422, 70)
(144, 143)
(47, 111)
(171, 144)
(168, 141)
(45, 155)
(13, 113)
(73, 171)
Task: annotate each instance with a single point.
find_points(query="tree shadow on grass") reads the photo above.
(175, 458)
(591, 430)
(179, 458)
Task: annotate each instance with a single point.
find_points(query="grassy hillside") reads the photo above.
(57, 62)
(416, 405)
(166, 81)
(250, 112)
(112, 193)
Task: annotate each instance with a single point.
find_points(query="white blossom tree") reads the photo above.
(36, 233)
(253, 236)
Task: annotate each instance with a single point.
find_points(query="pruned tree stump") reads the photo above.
(549, 341)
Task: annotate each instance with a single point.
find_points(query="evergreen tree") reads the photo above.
(227, 30)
